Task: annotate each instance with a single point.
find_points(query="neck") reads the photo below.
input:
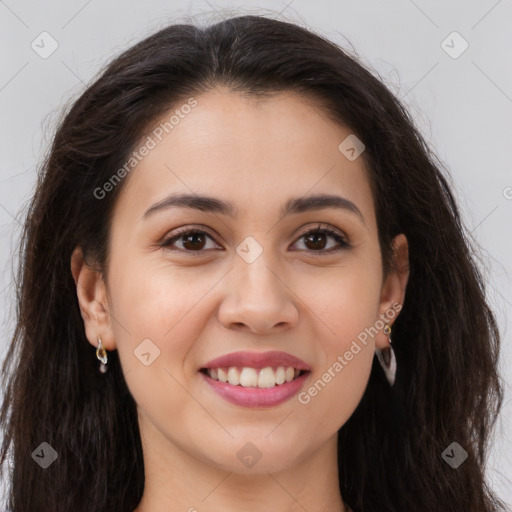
(175, 481)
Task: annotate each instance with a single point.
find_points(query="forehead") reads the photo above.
(250, 151)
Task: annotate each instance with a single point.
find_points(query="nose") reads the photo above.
(258, 298)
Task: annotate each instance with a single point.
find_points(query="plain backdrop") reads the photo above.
(461, 101)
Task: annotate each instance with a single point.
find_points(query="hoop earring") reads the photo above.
(387, 358)
(101, 354)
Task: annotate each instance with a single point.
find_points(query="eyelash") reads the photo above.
(166, 243)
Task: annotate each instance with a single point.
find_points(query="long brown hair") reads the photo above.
(446, 339)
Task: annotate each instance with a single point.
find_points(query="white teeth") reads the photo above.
(266, 378)
(250, 377)
(234, 376)
(222, 375)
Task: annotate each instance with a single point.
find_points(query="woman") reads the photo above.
(234, 220)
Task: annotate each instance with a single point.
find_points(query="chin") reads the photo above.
(252, 455)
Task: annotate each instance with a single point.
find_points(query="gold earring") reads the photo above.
(101, 354)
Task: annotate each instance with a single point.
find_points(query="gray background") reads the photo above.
(462, 105)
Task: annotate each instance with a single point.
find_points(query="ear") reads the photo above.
(93, 301)
(394, 286)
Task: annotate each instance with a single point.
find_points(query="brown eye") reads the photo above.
(315, 240)
(192, 240)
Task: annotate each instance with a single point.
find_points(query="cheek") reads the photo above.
(346, 300)
(160, 304)
(346, 309)
(346, 306)
(156, 299)
(157, 312)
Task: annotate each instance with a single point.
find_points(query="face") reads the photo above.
(247, 272)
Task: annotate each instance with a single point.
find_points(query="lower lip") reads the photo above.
(256, 397)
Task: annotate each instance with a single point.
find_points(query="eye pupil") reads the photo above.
(192, 236)
(314, 237)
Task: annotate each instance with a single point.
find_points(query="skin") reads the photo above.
(256, 154)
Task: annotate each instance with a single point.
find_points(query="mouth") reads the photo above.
(248, 377)
(256, 379)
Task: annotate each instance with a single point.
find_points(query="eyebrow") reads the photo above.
(292, 206)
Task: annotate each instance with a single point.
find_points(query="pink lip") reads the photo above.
(258, 360)
(256, 397)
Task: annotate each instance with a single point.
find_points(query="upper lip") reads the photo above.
(258, 360)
